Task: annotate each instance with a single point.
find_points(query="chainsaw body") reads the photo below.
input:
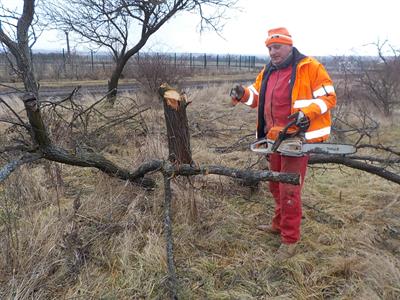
(290, 141)
(296, 147)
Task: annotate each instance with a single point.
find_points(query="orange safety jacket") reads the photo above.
(312, 92)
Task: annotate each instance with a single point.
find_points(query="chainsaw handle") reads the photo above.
(256, 145)
(282, 135)
(288, 125)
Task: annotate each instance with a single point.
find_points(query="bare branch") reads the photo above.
(172, 280)
(379, 147)
(12, 87)
(89, 108)
(189, 170)
(6, 170)
(385, 161)
(117, 121)
(13, 123)
(355, 164)
(22, 147)
(68, 98)
(21, 122)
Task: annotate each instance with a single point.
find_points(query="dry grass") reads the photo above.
(103, 238)
(86, 81)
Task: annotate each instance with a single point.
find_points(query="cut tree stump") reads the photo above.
(178, 134)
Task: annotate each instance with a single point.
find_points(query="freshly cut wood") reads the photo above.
(175, 104)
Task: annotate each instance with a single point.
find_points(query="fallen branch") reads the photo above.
(147, 167)
(378, 147)
(172, 280)
(247, 175)
(94, 160)
(386, 161)
(190, 170)
(355, 164)
(11, 166)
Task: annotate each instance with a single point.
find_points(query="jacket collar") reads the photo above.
(297, 56)
(294, 59)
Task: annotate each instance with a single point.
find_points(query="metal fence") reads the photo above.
(59, 65)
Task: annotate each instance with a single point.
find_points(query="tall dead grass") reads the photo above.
(103, 239)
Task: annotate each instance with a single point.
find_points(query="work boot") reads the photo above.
(285, 251)
(268, 228)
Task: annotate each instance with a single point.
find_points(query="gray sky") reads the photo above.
(318, 28)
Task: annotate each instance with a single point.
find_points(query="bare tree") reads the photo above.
(377, 78)
(124, 26)
(41, 146)
(20, 45)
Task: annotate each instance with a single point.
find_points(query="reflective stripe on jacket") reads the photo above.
(312, 92)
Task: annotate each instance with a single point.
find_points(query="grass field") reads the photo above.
(75, 233)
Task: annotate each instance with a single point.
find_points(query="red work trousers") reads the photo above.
(287, 218)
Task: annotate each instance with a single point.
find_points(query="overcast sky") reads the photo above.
(317, 27)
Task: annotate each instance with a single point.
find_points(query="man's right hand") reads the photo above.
(237, 92)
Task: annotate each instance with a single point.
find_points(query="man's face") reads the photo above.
(279, 52)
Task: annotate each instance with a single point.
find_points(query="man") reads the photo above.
(291, 84)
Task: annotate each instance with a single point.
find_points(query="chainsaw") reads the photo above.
(292, 143)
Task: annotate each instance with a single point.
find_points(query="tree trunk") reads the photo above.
(38, 129)
(387, 109)
(114, 79)
(177, 125)
(121, 59)
(113, 84)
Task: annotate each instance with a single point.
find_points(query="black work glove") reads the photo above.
(302, 121)
(237, 92)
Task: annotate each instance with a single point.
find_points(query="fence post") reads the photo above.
(175, 59)
(217, 60)
(64, 61)
(205, 60)
(91, 58)
(229, 61)
(240, 62)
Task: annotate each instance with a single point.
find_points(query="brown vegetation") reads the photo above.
(92, 236)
